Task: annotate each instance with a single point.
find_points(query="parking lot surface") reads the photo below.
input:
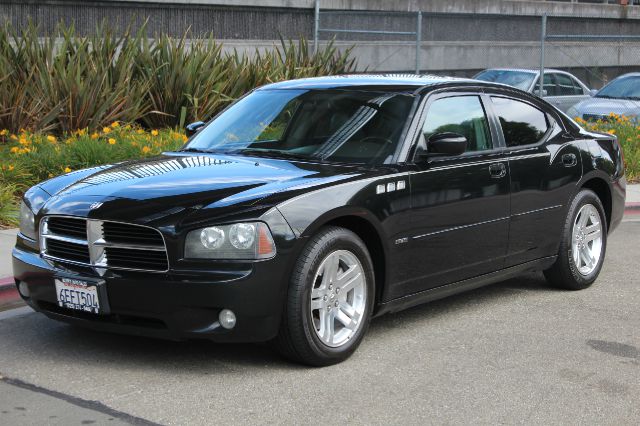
(515, 352)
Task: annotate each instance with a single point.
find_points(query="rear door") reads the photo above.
(544, 169)
(459, 204)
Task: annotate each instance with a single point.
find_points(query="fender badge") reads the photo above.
(95, 205)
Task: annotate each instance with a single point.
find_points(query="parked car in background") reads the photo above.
(561, 89)
(621, 96)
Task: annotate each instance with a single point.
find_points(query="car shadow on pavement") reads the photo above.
(60, 343)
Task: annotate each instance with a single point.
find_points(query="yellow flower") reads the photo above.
(115, 124)
(106, 130)
(145, 149)
(184, 138)
(11, 167)
(81, 132)
(140, 131)
(14, 149)
(94, 135)
(51, 139)
(23, 141)
(127, 127)
(154, 132)
(14, 137)
(611, 131)
(67, 169)
(112, 141)
(4, 132)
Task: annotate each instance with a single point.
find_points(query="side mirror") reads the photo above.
(446, 143)
(593, 92)
(193, 128)
(536, 91)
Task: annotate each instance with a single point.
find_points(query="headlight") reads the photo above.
(32, 202)
(247, 240)
(27, 222)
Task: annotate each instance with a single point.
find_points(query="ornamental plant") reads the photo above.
(627, 131)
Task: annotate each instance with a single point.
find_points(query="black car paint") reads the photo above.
(454, 226)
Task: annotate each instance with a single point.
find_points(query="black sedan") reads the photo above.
(309, 206)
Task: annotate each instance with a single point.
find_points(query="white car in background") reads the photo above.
(621, 96)
(560, 89)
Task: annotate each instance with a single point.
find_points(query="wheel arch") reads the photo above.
(603, 191)
(365, 226)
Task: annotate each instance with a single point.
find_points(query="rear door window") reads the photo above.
(463, 115)
(522, 124)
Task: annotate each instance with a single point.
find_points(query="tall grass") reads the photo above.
(65, 82)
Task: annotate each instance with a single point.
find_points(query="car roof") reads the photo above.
(629, 74)
(531, 70)
(381, 81)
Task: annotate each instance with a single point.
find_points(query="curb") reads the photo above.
(6, 283)
(8, 292)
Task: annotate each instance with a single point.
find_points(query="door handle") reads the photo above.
(569, 160)
(497, 170)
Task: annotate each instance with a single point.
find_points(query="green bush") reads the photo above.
(65, 82)
(628, 132)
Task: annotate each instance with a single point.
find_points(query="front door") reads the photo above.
(459, 204)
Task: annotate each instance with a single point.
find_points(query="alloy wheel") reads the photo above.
(586, 239)
(338, 298)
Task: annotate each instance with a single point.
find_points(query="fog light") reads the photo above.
(227, 319)
(23, 289)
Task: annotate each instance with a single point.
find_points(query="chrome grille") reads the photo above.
(103, 244)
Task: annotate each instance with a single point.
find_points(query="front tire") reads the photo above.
(330, 299)
(583, 245)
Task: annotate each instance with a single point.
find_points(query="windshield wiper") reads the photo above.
(276, 153)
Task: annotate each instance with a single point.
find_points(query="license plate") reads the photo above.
(77, 294)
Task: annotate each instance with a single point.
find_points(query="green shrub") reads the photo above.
(66, 82)
(628, 133)
(8, 206)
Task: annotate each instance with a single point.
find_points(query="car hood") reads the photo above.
(175, 182)
(604, 106)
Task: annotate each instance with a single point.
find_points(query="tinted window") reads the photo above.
(567, 86)
(463, 115)
(332, 125)
(521, 123)
(622, 87)
(520, 79)
(549, 85)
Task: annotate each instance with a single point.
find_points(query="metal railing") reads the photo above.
(417, 33)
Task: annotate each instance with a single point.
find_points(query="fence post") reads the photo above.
(418, 40)
(543, 38)
(316, 25)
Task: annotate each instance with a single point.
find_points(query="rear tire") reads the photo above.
(330, 300)
(583, 245)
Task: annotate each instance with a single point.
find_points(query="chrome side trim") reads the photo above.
(456, 228)
(536, 210)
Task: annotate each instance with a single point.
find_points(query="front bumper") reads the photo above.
(176, 305)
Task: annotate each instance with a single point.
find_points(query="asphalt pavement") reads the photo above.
(514, 352)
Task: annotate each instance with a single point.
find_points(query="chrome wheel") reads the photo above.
(586, 239)
(338, 298)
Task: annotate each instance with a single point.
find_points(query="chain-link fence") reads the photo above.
(577, 55)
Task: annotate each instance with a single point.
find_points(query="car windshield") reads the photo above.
(622, 88)
(333, 125)
(520, 79)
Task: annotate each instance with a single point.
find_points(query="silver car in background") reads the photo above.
(560, 89)
(621, 96)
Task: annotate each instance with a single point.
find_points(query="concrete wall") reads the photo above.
(459, 36)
